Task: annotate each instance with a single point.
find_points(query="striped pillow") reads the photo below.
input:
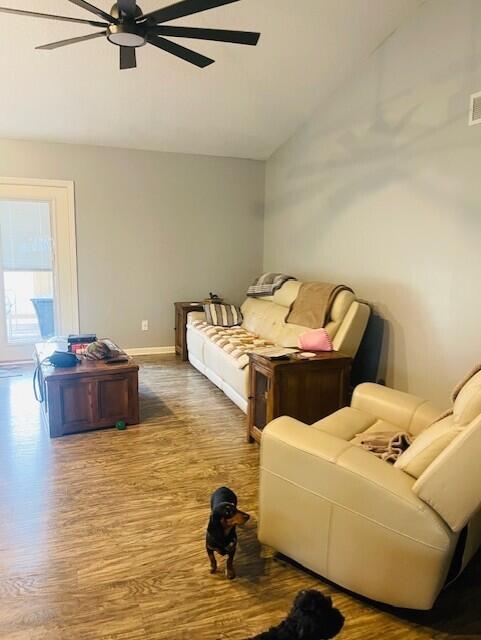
(223, 315)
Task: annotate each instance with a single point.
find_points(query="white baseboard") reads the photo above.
(149, 351)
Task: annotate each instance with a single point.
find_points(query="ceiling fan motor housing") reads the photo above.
(126, 35)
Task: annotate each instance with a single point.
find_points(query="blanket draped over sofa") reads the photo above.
(267, 284)
(313, 304)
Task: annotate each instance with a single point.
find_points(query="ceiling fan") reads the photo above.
(128, 28)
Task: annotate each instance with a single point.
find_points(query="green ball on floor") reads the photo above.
(121, 426)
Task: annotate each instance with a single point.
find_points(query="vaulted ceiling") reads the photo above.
(246, 105)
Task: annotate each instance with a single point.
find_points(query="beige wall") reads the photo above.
(152, 228)
(382, 190)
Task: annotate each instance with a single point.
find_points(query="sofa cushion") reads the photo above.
(467, 405)
(345, 423)
(236, 342)
(427, 446)
(286, 295)
(380, 426)
(220, 362)
(266, 316)
(267, 320)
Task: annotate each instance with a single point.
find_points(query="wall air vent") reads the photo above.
(475, 109)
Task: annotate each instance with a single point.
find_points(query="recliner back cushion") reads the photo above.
(427, 446)
(451, 484)
(468, 402)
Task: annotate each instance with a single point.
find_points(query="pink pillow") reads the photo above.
(315, 340)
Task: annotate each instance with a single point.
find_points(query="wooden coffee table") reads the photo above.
(92, 395)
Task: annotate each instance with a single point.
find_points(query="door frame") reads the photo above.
(69, 253)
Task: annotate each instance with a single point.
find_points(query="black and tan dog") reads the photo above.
(221, 534)
(312, 617)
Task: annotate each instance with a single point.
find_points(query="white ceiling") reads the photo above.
(246, 105)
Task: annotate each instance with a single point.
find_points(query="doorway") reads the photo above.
(38, 264)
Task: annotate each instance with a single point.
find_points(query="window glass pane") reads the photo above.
(27, 265)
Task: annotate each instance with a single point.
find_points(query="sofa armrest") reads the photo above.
(350, 478)
(349, 335)
(195, 315)
(406, 411)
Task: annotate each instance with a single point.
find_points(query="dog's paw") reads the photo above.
(213, 570)
(230, 573)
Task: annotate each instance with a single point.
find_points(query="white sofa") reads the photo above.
(395, 534)
(265, 317)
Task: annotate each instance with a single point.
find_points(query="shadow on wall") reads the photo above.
(369, 158)
(383, 354)
(387, 134)
(379, 141)
(367, 363)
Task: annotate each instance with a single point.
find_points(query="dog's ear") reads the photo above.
(311, 601)
(215, 518)
(315, 616)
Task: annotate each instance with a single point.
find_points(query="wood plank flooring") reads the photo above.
(102, 534)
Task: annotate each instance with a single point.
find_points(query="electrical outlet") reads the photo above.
(145, 325)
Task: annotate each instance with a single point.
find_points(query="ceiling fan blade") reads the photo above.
(34, 14)
(181, 52)
(98, 12)
(64, 43)
(127, 7)
(128, 58)
(184, 8)
(221, 35)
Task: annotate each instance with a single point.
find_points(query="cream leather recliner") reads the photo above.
(396, 534)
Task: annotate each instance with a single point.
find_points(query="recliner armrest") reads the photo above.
(406, 411)
(350, 478)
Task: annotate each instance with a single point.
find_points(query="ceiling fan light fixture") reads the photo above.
(128, 28)
(126, 35)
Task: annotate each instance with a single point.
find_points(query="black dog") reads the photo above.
(221, 535)
(312, 617)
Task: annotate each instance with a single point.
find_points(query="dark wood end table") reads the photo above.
(305, 389)
(182, 309)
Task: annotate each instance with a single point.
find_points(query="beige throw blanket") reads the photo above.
(313, 304)
(384, 444)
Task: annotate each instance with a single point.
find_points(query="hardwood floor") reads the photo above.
(102, 533)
